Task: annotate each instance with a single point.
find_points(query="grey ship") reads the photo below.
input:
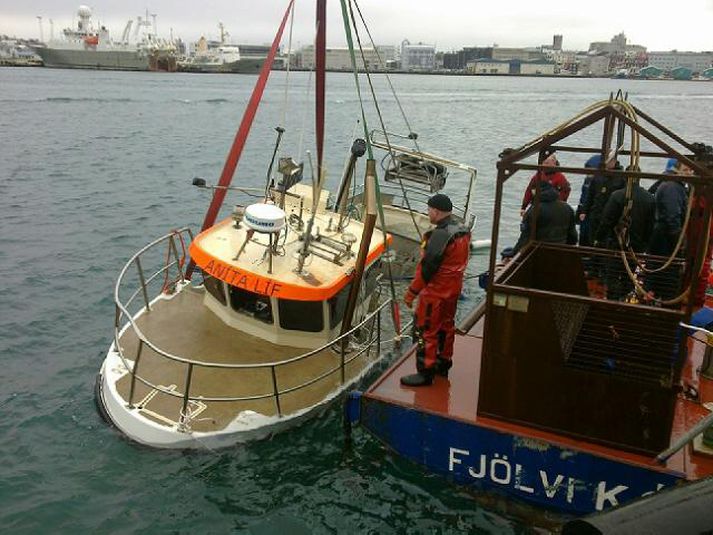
(224, 57)
(87, 47)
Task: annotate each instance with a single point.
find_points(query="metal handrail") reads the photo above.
(412, 196)
(143, 340)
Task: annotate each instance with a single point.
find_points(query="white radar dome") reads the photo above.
(84, 11)
(264, 217)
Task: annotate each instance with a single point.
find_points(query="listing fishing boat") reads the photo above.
(565, 393)
(287, 314)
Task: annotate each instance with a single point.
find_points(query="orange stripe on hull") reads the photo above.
(271, 287)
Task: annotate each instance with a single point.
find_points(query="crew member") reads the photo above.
(556, 179)
(437, 283)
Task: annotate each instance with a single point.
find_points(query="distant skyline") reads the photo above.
(448, 24)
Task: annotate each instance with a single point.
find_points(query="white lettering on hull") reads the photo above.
(499, 470)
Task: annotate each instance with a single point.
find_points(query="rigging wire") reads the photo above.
(381, 120)
(395, 312)
(287, 72)
(388, 78)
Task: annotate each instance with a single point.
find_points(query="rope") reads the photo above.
(621, 232)
(395, 312)
(300, 143)
(383, 126)
(388, 78)
(287, 72)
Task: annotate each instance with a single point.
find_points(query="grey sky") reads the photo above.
(450, 24)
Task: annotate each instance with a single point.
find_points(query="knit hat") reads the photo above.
(671, 165)
(594, 161)
(441, 202)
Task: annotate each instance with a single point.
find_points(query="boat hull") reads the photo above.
(543, 474)
(247, 426)
(242, 66)
(121, 60)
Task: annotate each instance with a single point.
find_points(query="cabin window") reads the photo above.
(215, 288)
(338, 305)
(301, 315)
(252, 304)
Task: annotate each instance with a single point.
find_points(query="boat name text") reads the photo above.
(500, 470)
(240, 279)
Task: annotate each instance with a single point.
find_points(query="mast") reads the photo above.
(320, 65)
(367, 232)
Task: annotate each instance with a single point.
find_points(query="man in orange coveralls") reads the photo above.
(437, 283)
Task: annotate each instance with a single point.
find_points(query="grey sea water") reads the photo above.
(93, 165)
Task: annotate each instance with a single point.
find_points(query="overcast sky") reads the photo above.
(449, 24)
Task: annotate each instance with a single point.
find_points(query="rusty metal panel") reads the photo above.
(561, 356)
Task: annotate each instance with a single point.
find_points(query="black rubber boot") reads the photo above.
(424, 378)
(442, 366)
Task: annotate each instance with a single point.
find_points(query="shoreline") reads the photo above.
(6, 63)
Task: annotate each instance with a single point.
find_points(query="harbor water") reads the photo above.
(93, 165)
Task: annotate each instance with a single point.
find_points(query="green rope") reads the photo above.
(350, 43)
(348, 32)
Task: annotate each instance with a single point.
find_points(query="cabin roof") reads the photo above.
(214, 251)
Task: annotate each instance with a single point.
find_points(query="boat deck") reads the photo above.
(456, 397)
(184, 327)
(400, 222)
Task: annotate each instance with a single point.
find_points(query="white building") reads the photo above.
(339, 59)
(667, 61)
(488, 66)
(417, 57)
(537, 67)
(591, 65)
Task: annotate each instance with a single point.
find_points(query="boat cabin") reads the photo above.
(261, 291)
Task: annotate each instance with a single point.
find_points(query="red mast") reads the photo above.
(231, 163)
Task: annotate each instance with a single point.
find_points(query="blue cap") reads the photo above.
(594, 161)
(671, 165)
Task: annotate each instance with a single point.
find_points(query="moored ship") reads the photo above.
(224, 57)
(88, 47)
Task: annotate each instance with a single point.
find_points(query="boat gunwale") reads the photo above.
(119, 330)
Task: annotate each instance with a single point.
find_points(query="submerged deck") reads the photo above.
(184, 327)
(456, 397)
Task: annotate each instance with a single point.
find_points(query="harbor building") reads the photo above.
(697, 62)
(418, 57)
(593, 65)
(339, 58)
(520, 54)
(514, 66)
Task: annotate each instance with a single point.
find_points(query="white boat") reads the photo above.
(288, 314)
(224, 57)
(90, 47)
(257, 345)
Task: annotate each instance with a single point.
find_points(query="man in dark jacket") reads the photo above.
(582, 219)
(597, 196)
(671, 204)
(555, 220)
(437, 284)
(639, 223)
